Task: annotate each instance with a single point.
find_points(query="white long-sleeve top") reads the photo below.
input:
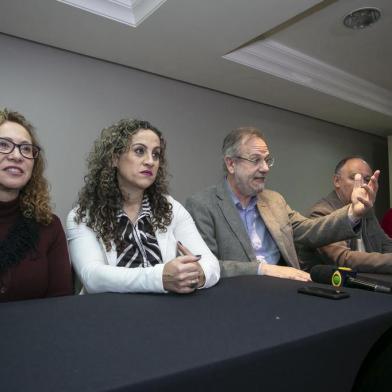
(97, 269)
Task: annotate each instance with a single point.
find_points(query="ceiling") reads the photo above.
(187, 39)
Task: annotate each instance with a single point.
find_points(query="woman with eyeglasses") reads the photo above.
(127, 234)
(34, 261)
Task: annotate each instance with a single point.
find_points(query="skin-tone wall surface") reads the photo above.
(70, 98)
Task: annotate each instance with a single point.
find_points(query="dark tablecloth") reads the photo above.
(245, 334)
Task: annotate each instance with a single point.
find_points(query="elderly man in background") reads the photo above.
(371, 250)
(252, 230)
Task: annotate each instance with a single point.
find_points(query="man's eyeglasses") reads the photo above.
(29, 151)
(259, 161)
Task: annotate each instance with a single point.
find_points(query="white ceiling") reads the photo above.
(187, 39)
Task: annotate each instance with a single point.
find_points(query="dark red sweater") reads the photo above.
(44, 273)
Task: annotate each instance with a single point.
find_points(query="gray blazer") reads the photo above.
(221, 227)
(378, 246)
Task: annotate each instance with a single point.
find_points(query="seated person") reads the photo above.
(34, 261)
(371, 250)
(125, 232)
(252, 230)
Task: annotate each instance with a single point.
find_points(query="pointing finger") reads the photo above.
(357, 181)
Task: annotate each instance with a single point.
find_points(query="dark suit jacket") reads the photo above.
(376, 259)
(222, 229)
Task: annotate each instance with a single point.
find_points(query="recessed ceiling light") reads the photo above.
(362, 17)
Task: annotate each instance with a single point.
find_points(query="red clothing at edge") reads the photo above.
(386, 222)
(45, 273)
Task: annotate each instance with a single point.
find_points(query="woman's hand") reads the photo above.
(182, 274)
(185, 251)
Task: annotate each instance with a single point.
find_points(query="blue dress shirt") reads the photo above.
(263, 244)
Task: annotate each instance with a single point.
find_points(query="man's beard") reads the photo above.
(248, 190)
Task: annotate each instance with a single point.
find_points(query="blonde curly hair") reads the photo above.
(34, 197)
(100, 200)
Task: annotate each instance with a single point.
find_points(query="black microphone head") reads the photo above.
(323, 273)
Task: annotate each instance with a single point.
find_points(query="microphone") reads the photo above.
(341, 276)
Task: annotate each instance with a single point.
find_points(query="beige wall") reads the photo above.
(70, 98)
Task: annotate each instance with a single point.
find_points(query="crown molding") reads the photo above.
(129, 12)
(279, 60)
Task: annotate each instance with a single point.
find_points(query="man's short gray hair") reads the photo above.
(232, 142)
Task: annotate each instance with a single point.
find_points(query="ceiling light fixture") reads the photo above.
(362, 17)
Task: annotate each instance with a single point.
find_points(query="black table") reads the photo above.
(246, 334)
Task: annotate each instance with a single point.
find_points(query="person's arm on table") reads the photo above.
(186, 232)
(97, 276)
(183, 274)
(279, 271)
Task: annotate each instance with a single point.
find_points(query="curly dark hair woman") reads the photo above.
(123, 233)
(101, 196)
(34, 261)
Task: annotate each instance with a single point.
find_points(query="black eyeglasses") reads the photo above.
(259, 161)
(29, 151)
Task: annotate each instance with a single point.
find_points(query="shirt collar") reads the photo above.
(145, 210)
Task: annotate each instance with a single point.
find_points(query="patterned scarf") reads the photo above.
(21, 239)
(141, 247)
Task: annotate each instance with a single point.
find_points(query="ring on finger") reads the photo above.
(193, 284)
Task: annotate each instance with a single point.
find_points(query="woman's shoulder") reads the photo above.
(55, 220)
(54, 223)
(179, 212)
(72, 216)
(176, 205)
(54, 228)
